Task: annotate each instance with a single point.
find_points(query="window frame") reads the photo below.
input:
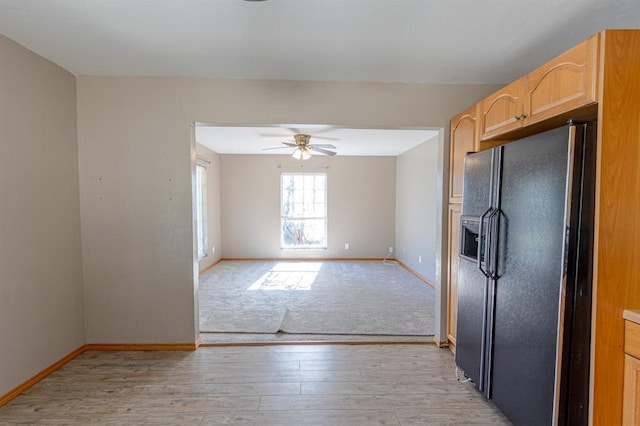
(325, 244)
(201, 212)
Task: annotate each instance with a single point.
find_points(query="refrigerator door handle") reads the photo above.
(492, 244)
(481, 236)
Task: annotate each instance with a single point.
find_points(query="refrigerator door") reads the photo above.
(530, 249)
(477, 185)
(470, 344)
(472, 282)
(572, 360)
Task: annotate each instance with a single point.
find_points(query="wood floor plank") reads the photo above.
(362, 365)
(431, 376)
(108, 419)
(320, 385)
(367, 402)
(142, 405)
(189, 377)
(231, 366)
(338, 353)
(382, 388)
(451, 416)
(208, 389)
(295, 418)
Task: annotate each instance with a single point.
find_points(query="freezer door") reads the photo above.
(476, 194)
(477, 203)
(533, 186)
(470, 334)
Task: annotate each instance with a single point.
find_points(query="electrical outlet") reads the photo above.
(346, 246)
(404, 251)
(419, 259)
(390, 249)
(213, 249)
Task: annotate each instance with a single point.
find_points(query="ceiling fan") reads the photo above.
(303, 148)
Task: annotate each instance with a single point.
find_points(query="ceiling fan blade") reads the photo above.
(288, 145)
(324, 138)
(322, 129)
(324, 145)
(309, 130)
(294, 130)
(322, 151)
(288, 132)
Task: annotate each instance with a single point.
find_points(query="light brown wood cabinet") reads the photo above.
(455, 210)
(503, 111)
(597, 80)
(464, 136)
(631, 408)
(564, 84)
(631, 392)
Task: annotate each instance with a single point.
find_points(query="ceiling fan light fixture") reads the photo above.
(303, 148)
(301, 154)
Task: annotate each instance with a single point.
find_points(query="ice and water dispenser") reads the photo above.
(469, 238)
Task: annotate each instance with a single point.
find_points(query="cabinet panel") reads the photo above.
(617, 238)
(503, 111)
(455, 211)
(563, 84)
(464, 132)
(632, 338)
(631, 395)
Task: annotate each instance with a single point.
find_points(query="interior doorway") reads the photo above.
(377, 204)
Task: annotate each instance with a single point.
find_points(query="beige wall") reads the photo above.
(360, 205)
(41, 315)
(211, 160)
(135, 154)
(416, 208)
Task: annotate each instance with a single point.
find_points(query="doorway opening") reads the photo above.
(378, 202)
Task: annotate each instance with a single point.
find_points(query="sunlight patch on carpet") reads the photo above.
(288, 276)
(315, 298)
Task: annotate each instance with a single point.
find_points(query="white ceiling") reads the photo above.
(253, 140)
(435, 41)
(443, 41)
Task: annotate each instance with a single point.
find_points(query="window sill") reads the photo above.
(303, 248)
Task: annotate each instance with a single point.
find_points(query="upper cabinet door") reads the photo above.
(503, 111)
(464, 134)
(563, 84)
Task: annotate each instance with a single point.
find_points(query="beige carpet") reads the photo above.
(359, 298)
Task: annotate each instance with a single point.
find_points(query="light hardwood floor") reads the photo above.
(259, 385)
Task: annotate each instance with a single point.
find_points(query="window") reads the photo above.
(304, 210)
(201, 210)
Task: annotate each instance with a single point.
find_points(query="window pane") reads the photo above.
(303, 210)
(303, 233)
(201, 211)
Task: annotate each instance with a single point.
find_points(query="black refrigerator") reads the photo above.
(524, 286)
